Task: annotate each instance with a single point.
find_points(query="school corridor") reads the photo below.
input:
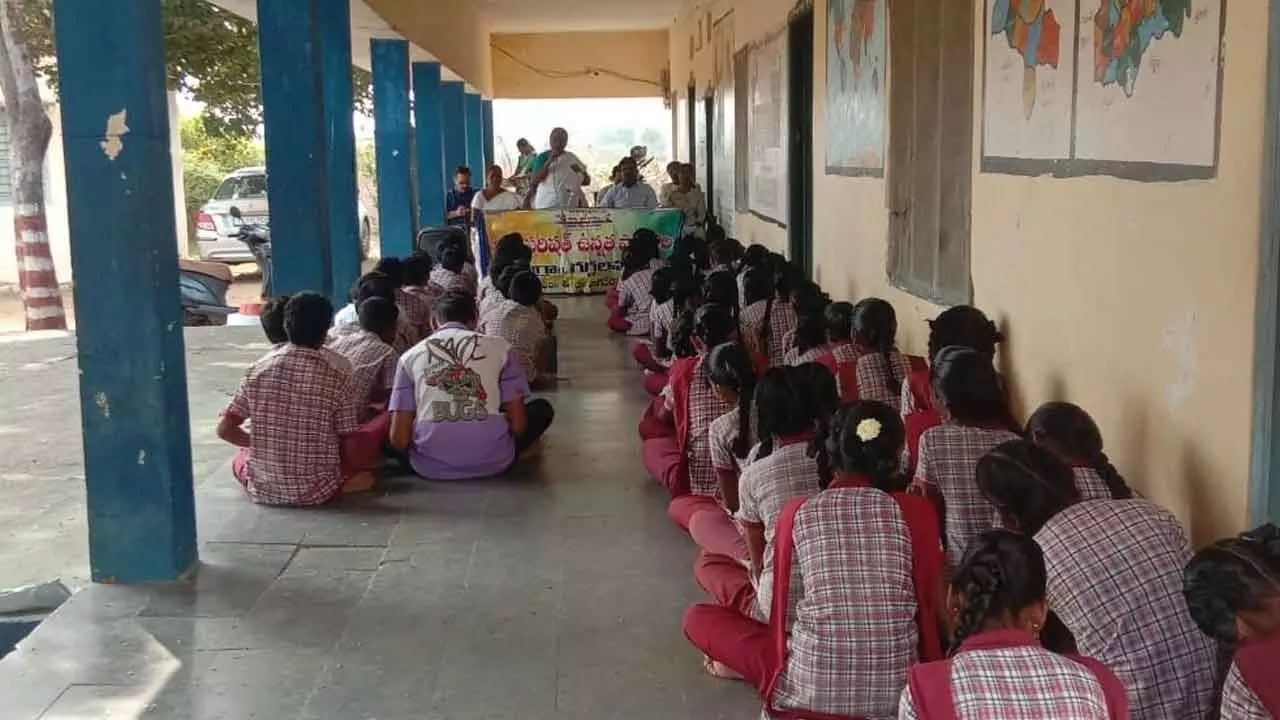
(553, 594)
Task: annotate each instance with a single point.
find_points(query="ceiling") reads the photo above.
(537, 16)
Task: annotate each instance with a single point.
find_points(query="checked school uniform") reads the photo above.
(632, 315)
(880, 382)
(713, 528)
(1008, 675)
(846, 355)
(1251, 691)
(523, 327)
(1115, 580)
(946, 470)
(782, 324)
(682, 463)
(1089, 484)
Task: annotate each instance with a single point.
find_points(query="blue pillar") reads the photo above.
(454, 135)
(427, 139)
(475, 137)
(133, 387)
(393, 146)
(345, 228)
(297, 169)
(486, 112)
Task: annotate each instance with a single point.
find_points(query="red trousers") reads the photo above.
(618, 323)
(643, 353)
(652, 426)
(611, 298)
(664, 461)
(744, 645)
(655, 382)
(682, 510)
(361, 450)
(726, 580)
(715, 531)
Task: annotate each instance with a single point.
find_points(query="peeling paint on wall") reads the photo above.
(104, 407)
(1179, 340)
(113, 141)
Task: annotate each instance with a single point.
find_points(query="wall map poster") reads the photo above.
(857, 63)
(767, 129)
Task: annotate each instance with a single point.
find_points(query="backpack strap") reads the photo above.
(930, 685)
(1112, 689)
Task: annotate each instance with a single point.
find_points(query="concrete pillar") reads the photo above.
(454, 128)
(289, 47)
(333, 18)
(393, 145)
(486, 111)
(427, 140)
(474, 111)
(133, 389)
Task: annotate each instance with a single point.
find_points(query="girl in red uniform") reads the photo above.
(881, 369)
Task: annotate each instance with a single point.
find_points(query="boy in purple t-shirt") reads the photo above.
(458, 403)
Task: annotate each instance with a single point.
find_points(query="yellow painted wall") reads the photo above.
(451, 30)
(1132, 299)
(602, 64)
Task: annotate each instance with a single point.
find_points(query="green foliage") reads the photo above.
(207, 158)
(212, 56)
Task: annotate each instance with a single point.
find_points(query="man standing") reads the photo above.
(631, 193)
(457, 203)
(560, 179)
(458, 406)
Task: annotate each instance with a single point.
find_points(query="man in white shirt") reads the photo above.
(631, 193)
(560, 179)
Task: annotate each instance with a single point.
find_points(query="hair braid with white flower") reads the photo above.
(866, 440)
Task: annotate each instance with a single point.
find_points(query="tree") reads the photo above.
(211, 56)
(207, 159)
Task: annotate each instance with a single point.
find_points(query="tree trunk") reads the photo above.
(29, 133)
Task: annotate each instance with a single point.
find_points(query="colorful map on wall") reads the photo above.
(1142, 102)
(767, 129)
(857, 61)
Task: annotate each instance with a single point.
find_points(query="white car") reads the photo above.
(246, 189)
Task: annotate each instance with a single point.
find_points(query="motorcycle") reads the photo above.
(258, 238)
(203, 287)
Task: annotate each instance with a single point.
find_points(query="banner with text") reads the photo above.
(579, 251)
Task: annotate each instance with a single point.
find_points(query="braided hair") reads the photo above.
(782, 275)
(721, 288)
(1068, 431)
(1233, 577)
(1002, 574)
(963, 326)
(821, 395)
(1027, 484)
(811, 326)
(875, 328)
(729, 366)
(968, 386)
(876, 457)
(509, 273)
(839, 318)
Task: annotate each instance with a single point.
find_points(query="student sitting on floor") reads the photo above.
(959, 326)
(372, 358)
(272, 319)
(998, 668)
(298, 399)
(1068, 432)
(839, 322)
(723, 252)
(858, 586)
(459, 404)
(768, 321)
(415, 297)
(977, 420)
(809, 340)
(682, 462)
(371, 285)
(1232, 590)
(1115, 570)
(754, 257)
(653, 355)
(631, 316)
(794, 406)
(516, 319)
(448, 275)
(730, 438)
(881, 368)
(510, 249)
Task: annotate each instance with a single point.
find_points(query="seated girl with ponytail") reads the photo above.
(1232, 590)
(793, 409)
(997, 667)
(651, 355)
(959, 326)
(1115, 579)
(769, 320)
(881, 369)
(976, 419)
(681, 462)
(631, 316)
(839, 320)
(730, 437)
(1068, 432)
(809, 341)
(858, 587)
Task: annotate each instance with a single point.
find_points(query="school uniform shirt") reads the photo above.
(373, 367)
(635, 301)
(661, 318)
(299, 401)
(812, 355)
(722, 436)
(852, 606)
(880, 382)
(348, 318)
(637, 197)
(448, 280)
(704, 406)
(1090, 485)
(765, 486)
(1239, 702)
(1025, 682)
(1115, 580)
(417, 308)
(521, 326)
(456, 382)
(948, 461)
(782, 324)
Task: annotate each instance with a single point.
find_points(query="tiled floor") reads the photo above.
(555, 593)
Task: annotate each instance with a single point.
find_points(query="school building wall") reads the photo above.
(579, 64)
(451, 30)
(1132, 299)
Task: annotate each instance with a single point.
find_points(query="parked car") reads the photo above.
(217, 232)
